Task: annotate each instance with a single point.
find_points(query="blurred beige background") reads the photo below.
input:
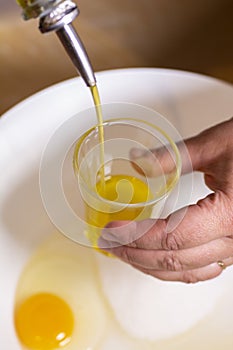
(194, 35)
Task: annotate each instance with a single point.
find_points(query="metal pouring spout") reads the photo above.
(58, 15)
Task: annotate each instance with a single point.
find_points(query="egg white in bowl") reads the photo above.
(64, 270)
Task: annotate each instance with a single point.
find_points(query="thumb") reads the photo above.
(196, 152)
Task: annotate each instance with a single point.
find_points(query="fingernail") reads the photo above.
(106, 245)
(107, 235)
(120, 232)
(137, 153)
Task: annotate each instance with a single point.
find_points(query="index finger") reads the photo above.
(205, 221)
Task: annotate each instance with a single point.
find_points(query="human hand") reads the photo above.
(201, 245)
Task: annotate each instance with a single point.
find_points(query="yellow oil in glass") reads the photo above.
(122, 189)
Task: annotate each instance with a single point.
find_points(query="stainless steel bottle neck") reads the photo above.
(58, 15)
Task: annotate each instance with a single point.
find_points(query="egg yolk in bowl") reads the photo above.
(44, 321)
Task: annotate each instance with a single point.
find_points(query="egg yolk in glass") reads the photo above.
(44, 322)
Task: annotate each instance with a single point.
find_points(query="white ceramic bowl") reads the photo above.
(189, 101)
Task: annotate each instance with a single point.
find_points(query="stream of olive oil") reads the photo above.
(99, 114)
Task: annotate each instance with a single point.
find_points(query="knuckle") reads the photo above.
(230, 214)
(134, 244)
(172, 241)
(189, 277)
(171, 262)
(126, 254)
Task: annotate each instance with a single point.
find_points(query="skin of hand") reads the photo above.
(191, 252)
